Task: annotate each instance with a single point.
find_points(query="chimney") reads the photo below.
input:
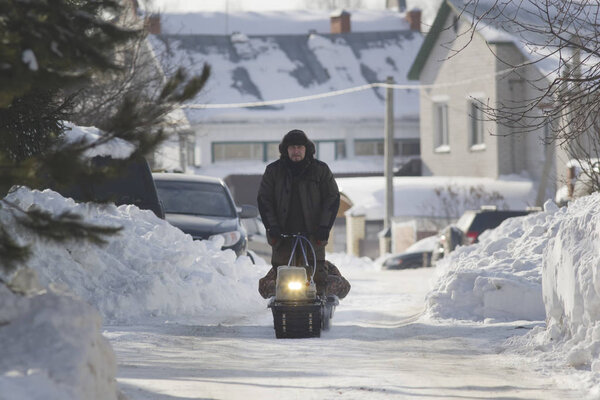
(153, 24)
(414, 19)
(340, 22)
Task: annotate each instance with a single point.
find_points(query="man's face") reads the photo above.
(296, 152)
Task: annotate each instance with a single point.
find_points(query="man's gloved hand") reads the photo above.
(274, 235)
(322, 235)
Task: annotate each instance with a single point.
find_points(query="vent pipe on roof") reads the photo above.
(340, 22)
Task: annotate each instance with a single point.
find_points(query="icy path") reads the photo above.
(378, 348)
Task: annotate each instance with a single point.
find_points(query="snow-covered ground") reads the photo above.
(378, 348)
(156, 290)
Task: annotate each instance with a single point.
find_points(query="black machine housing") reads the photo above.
(302, 319)
(299, 312)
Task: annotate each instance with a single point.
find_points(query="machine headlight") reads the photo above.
(230, 238)
(292, 284)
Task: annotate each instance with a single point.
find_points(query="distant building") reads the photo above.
(461, 72)
(252, 68)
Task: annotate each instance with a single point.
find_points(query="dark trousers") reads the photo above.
(282, 251)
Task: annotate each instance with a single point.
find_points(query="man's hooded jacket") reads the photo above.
(318, 193)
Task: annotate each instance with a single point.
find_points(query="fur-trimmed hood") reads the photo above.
(296, 137)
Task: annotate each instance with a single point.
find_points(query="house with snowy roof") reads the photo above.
(276, 71)
(460, 73)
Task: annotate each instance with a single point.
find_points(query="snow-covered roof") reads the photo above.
(429, 195)
(523, 23)
(258, 67)
(297, 22)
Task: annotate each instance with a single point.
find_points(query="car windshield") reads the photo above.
(465, 220)
(195, 198)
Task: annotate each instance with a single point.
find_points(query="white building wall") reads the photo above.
(273, 131)
(474, 65)
(524, 151)
(167, 156)
(513, 147)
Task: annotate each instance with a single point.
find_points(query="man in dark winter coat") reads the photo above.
(298, 194)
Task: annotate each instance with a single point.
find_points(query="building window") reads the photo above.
(237, 151)
(340, 149)
(376, 147)
(440, 126)
(476, 124)
(191, 150)
(272, 151)
(368, 147)
(329, 150)
(410, 148)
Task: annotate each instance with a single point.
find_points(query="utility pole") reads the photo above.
(385, 237)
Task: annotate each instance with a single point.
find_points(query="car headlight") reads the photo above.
(230, 238)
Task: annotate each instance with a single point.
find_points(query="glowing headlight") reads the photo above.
(295, 285)
(230, 238)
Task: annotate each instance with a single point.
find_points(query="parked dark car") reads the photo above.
(203, 207)
(473, 223)
(417, 259)
(469, 226)
(418, 255)
(133, 184)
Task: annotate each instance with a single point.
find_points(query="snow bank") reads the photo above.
(51, 345)
(571, 282)
(543, 266)
(536, 267)
(500, 277)
(149, 271)
(346, 262)
(52, 349)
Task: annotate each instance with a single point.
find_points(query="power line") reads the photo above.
(341, 92)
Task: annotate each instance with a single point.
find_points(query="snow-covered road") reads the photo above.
(380, 347)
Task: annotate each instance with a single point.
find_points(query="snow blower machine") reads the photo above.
(298, 312)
